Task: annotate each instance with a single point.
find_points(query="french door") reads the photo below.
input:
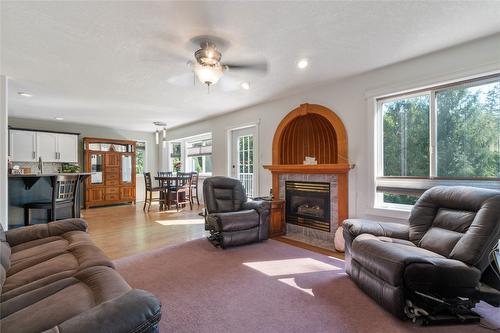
(243, 158)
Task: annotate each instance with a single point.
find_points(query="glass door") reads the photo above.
(126, 169)
(96, 168)
(243, 159)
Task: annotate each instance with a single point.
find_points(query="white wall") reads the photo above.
(352, 100)
(4, 183)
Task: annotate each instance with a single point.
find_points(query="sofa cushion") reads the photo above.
(48, 247)
(443, 276)
(71, 260)
(223, 194)
(4, 257)
(55, 303)
(387, 259)
(39, 231)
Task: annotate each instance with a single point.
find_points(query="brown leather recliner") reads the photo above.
(230, 216)
(440, 254)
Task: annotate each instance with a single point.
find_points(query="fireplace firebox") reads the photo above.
(308, 204)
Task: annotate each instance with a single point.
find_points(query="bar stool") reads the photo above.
(64, 191)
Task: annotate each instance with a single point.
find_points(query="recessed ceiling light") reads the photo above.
(302, 63)
(59, 118)
(245, 85)
(25, 94)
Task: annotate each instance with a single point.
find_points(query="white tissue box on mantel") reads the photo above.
(310, 161)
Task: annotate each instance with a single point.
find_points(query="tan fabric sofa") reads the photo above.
(53, 278)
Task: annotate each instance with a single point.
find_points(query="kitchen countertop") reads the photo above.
(50, 174)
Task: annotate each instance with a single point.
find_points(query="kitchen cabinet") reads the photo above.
(28, 146)
(22, 145)
(67, 147)
(46, 146)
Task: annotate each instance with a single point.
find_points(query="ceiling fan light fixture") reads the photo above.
(303, 63)
(208, 75)
(245, 85)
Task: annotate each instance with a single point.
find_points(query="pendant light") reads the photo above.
(159, 124)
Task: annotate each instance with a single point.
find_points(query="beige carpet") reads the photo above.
(266, 287)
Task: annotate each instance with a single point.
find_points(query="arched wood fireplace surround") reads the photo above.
(316, 131)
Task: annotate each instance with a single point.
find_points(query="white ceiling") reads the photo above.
(112, 63)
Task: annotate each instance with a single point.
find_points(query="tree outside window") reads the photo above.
(466, 140)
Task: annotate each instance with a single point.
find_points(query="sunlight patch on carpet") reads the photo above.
(291, 266)
(180, 222)
(291, 282)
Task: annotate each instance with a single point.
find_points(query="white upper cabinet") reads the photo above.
(67, 148)
(22, 146)
(46, 146)
(28, 146)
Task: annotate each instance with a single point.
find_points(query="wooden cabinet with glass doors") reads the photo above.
(112, 167)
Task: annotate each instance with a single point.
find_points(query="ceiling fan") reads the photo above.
(207, 65)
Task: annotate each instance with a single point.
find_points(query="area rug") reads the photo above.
(265, 287)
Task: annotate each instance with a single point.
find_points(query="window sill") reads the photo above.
(401, 212)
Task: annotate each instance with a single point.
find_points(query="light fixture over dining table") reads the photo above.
(163, 126)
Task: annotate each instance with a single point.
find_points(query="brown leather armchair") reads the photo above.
(230, 216)
(440, 255)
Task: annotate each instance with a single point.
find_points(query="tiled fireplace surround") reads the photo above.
(308, 235)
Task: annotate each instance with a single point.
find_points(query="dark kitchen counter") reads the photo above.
(50, 174)
(36, 188)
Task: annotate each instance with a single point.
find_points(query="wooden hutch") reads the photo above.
(112, 167)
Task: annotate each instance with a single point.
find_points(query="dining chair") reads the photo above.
(180, 191)
(193, 190)
(149, 192)
(164, 183)
(64, 192)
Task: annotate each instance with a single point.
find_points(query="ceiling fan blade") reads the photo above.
(182, 80)
(258, 66)
(227, 83)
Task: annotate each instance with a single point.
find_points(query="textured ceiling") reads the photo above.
(121, 64)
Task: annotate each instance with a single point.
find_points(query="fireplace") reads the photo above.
(314, 196)
(308, 204)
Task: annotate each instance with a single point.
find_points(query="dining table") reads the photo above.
(170, 182)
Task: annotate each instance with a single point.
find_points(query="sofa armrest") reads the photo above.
(38, 231)
(137, 311)
(356, 227)
(230, 221)
(262, 207)
(259, 205)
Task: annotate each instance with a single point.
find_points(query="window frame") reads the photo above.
(145, 164)
(185, 144)
(420, 184)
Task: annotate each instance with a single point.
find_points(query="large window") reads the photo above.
(199, 156)
(175, 156)
(446, 135)
(191, 154)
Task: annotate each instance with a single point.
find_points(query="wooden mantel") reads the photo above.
(316, 131)
(338, 168)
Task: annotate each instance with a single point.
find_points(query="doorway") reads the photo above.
(244, 158)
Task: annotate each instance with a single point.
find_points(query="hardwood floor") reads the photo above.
(122, 231)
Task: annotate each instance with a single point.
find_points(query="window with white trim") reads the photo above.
(199, 156)
(191, 154)
(446, 135)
